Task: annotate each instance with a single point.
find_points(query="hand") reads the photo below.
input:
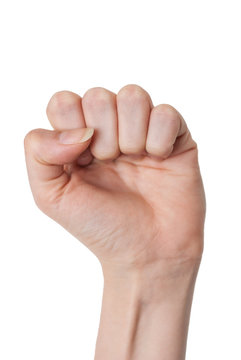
(132, 192)
(123, 177)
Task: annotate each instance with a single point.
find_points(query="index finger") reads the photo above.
(64, 111)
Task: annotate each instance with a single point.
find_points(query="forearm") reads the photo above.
(145, 312)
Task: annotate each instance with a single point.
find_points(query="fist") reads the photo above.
(120, 174)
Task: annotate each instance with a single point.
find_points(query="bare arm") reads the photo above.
(145, 312)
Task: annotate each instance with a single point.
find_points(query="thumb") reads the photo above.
(47, 151)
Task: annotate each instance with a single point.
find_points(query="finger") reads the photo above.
(167, 132)
(64, 111)
(99, 107)
(46, 154)
(134, 105)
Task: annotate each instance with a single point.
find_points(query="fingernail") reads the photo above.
(75, 136)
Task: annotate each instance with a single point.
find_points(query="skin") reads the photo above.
(133, 194)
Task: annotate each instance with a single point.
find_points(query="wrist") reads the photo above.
(146, 305)
(153, 282)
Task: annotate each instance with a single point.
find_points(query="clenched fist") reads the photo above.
(119, 174)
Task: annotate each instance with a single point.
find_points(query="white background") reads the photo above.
(186, 53)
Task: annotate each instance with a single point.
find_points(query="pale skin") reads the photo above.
(122, 176)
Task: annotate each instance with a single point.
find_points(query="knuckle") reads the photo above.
(166, 109)
(133, 93)
(62, 101)
(168, 115)
(32, 136)
(32, 141)
(28, 139)
(96, 97)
